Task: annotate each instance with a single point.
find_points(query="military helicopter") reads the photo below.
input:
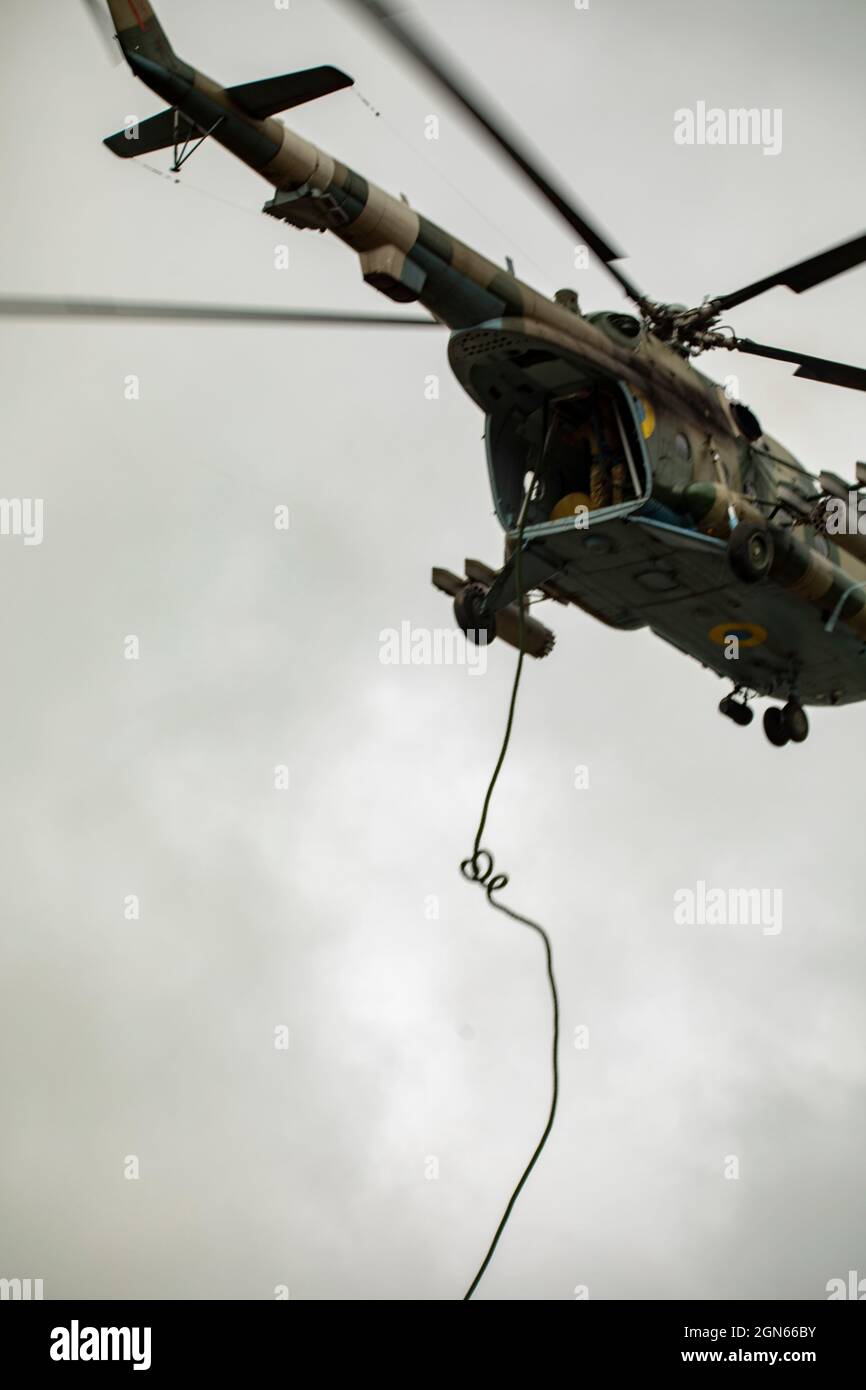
(630, 483)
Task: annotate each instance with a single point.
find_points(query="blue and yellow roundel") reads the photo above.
(747, 634)
(645, 414)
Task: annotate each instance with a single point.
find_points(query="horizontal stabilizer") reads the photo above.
(275, 94)
(256, 99)
(156, 133)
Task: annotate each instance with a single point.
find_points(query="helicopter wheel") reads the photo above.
(478, 626)
(750, 552)
(737, 710)
(776, 727)
(796, 722)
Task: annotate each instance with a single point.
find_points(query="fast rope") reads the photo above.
(478, 868)
(420, 152)
(173, 176)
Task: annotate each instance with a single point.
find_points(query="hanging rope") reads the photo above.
(194, 188)
(478, 868)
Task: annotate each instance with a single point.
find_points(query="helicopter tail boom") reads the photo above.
(402, 254)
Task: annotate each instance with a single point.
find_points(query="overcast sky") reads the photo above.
(411, 1038)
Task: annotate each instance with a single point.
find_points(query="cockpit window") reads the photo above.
(625, 324)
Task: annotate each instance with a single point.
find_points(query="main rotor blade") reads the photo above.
(18, 306)
(804, 275)
(99, 14)
(813, 368)
(424, 51)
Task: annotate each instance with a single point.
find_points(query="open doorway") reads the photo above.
(584, 447)
(587, 459)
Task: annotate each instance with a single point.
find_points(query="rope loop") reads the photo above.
(478, 868)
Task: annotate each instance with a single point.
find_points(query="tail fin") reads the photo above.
(139, 32)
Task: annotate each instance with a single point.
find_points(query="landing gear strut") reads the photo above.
(786, 725)
(478, 625)
(735, 709)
